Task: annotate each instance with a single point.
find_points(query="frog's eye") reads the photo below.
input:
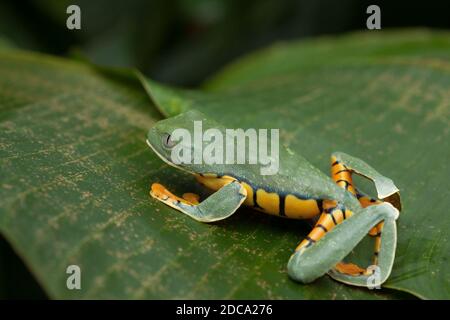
(166, 141)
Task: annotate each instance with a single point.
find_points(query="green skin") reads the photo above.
(295, 176)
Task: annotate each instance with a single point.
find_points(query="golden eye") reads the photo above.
(166, 141)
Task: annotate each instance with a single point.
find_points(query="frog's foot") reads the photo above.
(158, 191)
(336, 233)
(220, 205)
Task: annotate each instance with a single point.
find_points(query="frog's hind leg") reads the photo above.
(335, 236)
(341, 173)
(342, 168)
(220, 205)
(332, 215)
(339, 230)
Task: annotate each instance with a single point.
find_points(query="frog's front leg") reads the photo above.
(220, 205)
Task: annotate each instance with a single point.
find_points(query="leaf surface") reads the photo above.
(384, 98)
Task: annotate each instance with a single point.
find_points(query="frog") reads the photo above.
(340, 213)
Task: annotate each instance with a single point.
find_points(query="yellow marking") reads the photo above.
(302, 244)
(374, 231)
(379, 229)
(329, 204)
(348, 214)
(300, 209)
(338, 216)
(348, 186)
(344, 175)
(316, 233)
(249, 200)
(192, 198)
(365, 201)
(210, 175)
(210, 181)
(243, 191)
(327, 221)
(269, 202)
(350, 269)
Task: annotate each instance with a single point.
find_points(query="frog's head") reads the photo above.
(173, 139)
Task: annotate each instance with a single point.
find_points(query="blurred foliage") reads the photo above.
(184, 41)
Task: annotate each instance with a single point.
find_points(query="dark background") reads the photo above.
(182, 42)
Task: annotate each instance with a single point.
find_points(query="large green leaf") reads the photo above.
(75, 170)
(75, 175)
(382, 97)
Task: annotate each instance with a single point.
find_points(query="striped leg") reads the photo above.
(320, 253)
(332, 215)
(342, 175)
(344, 165)
(338, 230)
(365, 202)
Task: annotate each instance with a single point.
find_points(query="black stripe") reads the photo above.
(335, 163)
(310, 240)
(376, 253)
(377, 234)
(347, 184)
(322, 227)
(255, 203)
(320, 205)
(281, 209)
(331, 213)
(344, 170)
(343, 214)
(266, 188)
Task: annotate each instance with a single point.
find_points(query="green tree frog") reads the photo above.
(343, 215)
